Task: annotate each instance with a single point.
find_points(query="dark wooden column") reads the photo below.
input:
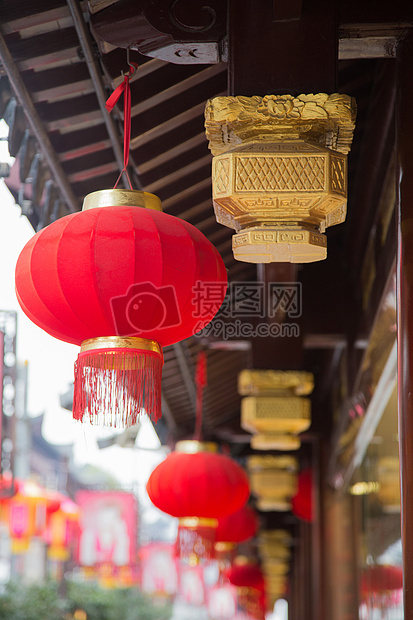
(282, 47)
(405, 310)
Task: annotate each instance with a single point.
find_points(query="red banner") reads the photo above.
(159, 570)
(108, 529)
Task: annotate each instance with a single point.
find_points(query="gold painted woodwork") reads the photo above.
(274, 568)
(278, 537)
(273, 480)
(275, 382)
(388, 492)
(273, 410)
(259, 462)
(279, 172)
(275, 441)
(275, 414)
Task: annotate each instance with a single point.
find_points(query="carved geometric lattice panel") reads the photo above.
(338, 175)
(221, 176)
(280, 174)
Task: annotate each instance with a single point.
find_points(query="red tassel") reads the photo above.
(114, 387)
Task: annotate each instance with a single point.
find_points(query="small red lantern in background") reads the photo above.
(27, 513)
(238, 526)
(302, 502)
(198, 486)
(382, 578)
(120, 281)
(62, 529)
(233, 529)
(245, 573)
(381, 584)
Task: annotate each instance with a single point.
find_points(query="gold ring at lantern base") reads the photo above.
(287, 245)
(275, 442)
(224, 547)
(193, 523)
(117, 342)
(243, 560)
(191, 446)
(121, 198)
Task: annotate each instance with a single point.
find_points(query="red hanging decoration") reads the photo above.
(124, 88)
(198, 486)
(302, 502)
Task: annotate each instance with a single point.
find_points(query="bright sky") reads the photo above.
(51, 365)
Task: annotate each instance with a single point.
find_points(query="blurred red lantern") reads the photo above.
(120, 281)
(198, 486)
(302, 502)
(246, 575)
(233, 529)
(381, 579)
(237, 527)
(27, 512)
(62, 529)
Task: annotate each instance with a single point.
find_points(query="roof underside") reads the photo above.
(170, 157)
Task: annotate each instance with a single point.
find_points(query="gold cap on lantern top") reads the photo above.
(121, 198)
(191, 446)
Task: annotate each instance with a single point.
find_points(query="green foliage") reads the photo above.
(128, 604)
(31, 602)
(42, 602)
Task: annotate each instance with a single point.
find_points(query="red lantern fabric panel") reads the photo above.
(117, 271)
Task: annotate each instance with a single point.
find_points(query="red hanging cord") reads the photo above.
(201, 381)
(124, 87)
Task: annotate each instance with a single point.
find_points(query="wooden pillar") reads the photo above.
(405, 310)
(282, 47)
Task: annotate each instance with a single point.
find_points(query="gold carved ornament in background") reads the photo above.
(273, 481)
(279, 172)
(273, 408)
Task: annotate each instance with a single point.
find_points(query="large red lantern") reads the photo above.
(121, 281)
(198, 486)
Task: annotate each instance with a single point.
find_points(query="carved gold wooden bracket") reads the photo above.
(273, 408)
(279, 172)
